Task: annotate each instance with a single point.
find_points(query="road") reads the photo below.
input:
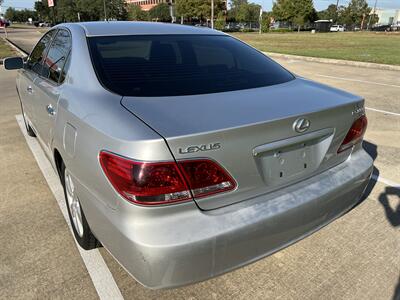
(355, 257)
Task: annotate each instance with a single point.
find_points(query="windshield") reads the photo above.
(177, 65)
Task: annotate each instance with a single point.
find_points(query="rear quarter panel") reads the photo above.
(97, 122)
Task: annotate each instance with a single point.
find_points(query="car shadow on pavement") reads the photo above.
(392, 214)
(372, 150)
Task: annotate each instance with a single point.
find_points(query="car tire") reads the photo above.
(29, 129)
(79, 224)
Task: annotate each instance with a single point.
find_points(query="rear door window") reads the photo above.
(57, 56)
(177, 65)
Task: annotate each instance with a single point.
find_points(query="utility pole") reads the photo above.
(105, 10)
(373, 14)
(212, 14)
(337, 11)
(171, 5)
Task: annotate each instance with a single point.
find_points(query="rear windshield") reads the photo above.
(177, 65)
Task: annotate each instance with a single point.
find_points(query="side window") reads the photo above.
(36, 59)
(57, 56)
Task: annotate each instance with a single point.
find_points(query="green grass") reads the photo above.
(358, 46)
(5, 49)
(27, 26)
(21, 26)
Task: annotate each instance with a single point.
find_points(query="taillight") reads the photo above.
(151, 183)
(206, 177)
(355, 134)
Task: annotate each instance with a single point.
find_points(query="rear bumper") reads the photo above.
(193, 245)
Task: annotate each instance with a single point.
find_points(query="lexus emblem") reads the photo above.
(301, 125)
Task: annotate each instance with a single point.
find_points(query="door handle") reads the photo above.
(29, 89)
(50, 110)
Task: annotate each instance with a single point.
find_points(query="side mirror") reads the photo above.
(13, 63)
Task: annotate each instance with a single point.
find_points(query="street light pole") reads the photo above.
(370, 16)
(212, 14)
(105, 10)
(337, 11)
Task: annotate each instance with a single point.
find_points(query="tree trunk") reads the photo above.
(298, 28)
(362, 22)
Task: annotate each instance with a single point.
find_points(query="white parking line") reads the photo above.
(385, 181)
(359, 80)
(383, 111)
(369, 82)
(101, 276)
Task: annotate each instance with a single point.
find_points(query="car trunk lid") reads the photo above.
(251, 133)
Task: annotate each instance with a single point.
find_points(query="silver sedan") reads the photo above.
(185, 152)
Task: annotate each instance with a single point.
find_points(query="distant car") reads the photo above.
(184, 151)
(4, 23)
(337, 28)
(44, 24)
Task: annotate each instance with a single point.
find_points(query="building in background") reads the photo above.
(147, 4)
(388, 16)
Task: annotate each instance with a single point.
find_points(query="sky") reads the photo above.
(266, 4)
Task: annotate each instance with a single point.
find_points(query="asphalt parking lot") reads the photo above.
(355, 257)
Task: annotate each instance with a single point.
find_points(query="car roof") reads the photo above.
(106, 28)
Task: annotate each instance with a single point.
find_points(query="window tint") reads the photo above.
(174, 65)
(57, 56)
(36, 59)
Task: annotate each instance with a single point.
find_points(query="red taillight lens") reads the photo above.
(355, 134)
(144, 182)
(206, 177)
(151, 183)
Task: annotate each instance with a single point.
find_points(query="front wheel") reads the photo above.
(80, 227)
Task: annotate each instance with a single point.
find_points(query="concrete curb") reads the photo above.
(335, 61)
(16, 48)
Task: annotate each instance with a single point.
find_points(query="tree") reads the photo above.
(328, 14)
(89, 10)
(199, 9)
(10, 14)
(220, 22)
(42, 10)
(19, 15)
(296, 12)
(116, 9)
(160, 12)
(235, 6)
(337, 16)
(356, 13)
(282, 10)
(66, 11)
(303, 12)
(374, 19)
(185, 9)
(248, 12)
(266, 21)
(135, 13)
